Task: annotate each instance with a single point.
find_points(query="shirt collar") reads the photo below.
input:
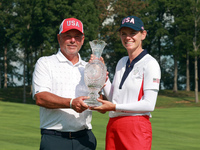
(62, 58)
(140, 56)
(129, 66)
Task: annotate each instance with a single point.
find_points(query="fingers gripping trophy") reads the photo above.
(95, 73)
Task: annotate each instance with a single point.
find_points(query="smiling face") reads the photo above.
(70, 42)
(132, 39)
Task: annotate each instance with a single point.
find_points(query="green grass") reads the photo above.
(19, 126)
(99, 123)
(175, 122)
(176, 128)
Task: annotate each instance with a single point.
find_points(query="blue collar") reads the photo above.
(134, 61)
(129, 66)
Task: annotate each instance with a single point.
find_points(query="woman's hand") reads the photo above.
(106, 106)
(94, 57)
(102, 60)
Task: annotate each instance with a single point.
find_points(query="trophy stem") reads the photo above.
(97, 52)
(92, 101)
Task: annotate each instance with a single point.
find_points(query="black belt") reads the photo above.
(70, 135)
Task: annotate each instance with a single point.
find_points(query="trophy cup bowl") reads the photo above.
(95, 73)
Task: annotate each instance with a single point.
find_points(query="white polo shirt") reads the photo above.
(130, 99)
(57, 75)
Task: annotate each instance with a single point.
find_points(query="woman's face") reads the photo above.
(132, 39)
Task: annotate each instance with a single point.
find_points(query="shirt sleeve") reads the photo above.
(152, 75)
(41, 77)
(108, 90)
(147, 104)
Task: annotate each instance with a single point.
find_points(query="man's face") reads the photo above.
(70, 42)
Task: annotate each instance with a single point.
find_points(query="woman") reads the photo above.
(133, 93)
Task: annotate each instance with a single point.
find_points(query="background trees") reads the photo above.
(28, 31)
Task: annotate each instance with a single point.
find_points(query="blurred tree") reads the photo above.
(196, 42)
(177, 36)
(8, 52)
(116, 11)
(156, 23)
(183, 40)
(29, 29)
(36, 25)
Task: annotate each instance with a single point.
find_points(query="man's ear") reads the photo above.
(83, 38)
(58, 38)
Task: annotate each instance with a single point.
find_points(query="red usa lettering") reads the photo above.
(72, 23)
(128, 20)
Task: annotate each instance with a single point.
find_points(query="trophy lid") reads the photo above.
(97, 47)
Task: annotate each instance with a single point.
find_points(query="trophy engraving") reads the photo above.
(95, 73)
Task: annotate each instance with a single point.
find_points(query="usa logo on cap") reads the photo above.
(132, 22)
(71, 23)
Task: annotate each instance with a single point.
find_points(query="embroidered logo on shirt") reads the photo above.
(135, 71)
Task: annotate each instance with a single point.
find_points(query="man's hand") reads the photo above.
(78, 104)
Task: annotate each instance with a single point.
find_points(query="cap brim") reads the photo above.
(71, 29)
(132, 27)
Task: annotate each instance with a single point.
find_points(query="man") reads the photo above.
(59, 90)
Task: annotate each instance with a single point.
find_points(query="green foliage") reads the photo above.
(8, 53)
(114, 49)
(15, 94)
(86, 11)
(155, 23)
(31, 27)
(170, 34)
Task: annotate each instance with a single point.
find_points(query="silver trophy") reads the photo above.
(95, 73)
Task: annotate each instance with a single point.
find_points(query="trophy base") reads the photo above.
(92, 103)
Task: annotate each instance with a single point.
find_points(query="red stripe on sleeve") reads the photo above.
(141, 93)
